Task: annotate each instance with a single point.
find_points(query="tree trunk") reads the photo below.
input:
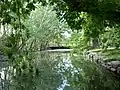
(95, 43)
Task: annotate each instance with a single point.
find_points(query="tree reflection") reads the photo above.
(59, 71)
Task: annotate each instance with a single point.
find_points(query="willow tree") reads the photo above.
(44, 27)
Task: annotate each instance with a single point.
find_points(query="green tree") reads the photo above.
(42, 25)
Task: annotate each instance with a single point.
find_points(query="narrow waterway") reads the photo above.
(59, 71)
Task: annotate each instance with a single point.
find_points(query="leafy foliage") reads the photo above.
(42, 26)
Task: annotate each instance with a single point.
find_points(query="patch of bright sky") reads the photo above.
(67, 34)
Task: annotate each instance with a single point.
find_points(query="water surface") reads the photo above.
(58, 71)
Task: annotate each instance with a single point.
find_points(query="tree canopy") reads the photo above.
(91, 16)
(105, 9)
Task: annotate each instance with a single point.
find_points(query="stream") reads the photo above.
(59, 71)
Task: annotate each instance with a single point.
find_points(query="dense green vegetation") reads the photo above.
(44, 27)
(95, 19)
(29, 26)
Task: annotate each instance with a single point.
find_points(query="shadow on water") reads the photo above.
(59, 71)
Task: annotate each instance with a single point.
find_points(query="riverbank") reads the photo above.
(110, 59)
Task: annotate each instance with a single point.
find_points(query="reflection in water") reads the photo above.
(63, 67)
(58, 71)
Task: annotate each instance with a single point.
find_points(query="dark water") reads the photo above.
(58, 71)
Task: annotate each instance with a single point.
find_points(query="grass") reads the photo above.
(100, 49)
(110, 54)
